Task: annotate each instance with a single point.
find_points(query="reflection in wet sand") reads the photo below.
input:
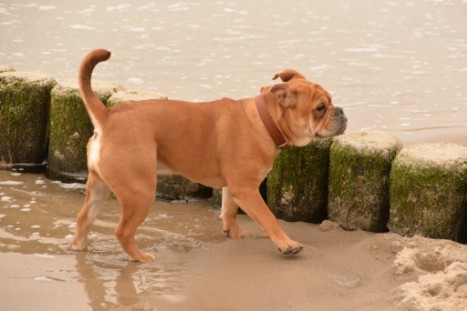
(120, 285)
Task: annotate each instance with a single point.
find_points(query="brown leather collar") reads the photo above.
(273, 129)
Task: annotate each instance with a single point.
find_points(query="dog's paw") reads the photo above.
(233, 231)
(144, 258)
(78, 247)
(236, 234)
(291, 248)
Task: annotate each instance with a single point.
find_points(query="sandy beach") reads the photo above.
(198, 268)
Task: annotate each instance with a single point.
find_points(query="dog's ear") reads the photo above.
(286, 96)
(288, 74)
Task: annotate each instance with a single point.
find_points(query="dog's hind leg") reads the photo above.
(136, 206)
(131, 174)
(229, 216)
(96, 193)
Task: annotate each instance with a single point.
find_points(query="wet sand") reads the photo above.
(198, 268)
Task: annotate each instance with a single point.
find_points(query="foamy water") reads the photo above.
(396, 65)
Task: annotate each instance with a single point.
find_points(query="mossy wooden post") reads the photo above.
(176, 188)
(24, 118)
(169, 187)
(429, 191)
(297, 183)
(360, 165)
(216, 199)
(71, 128)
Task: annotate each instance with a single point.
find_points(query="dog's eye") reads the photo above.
(320, 111)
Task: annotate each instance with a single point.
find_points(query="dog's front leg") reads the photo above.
(252, 203)
(229, 216)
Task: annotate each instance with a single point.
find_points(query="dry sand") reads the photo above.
(339, 270)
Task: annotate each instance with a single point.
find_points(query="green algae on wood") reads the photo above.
(216, 199)
(360, 165)
(297, 183)
(429, 191)
(71, 128)
(24, 118)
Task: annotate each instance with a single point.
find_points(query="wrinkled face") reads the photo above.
(307, 109)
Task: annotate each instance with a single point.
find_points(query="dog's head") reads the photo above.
(306, 108)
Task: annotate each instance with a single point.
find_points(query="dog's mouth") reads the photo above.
(336, 127)
(343, 127)
(318, 135)
(339, 121)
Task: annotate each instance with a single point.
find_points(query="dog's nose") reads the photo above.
(339, 111)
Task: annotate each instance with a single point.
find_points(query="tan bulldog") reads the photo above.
(228, 144)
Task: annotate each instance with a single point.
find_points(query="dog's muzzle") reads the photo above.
(340, 118)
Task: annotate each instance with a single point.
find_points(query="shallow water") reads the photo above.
(397, 65)
(37, 218)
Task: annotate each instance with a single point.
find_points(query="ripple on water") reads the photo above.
(81, 27)
(5, 198)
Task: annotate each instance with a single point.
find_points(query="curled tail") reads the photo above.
(94, 106)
